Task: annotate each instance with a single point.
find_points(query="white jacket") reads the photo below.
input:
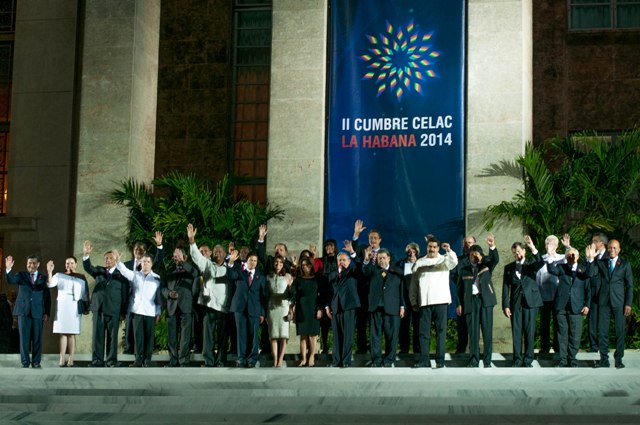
(430, 280)
(216, 289)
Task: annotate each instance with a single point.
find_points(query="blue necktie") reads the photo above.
(612, 264)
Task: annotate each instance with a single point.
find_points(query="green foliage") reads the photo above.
(579, 185)
(184, 199)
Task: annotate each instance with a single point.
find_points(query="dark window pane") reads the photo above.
(629, 15)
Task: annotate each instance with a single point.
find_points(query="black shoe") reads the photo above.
(593, 350)
(241, 364)
(135, 364)
(25, 365)
(114, 364)
(561, 364)
(388, 365)
(95, 364)
(473, 365)
(376, 365)
(421, 365)
(251, 365)
(487, 365)
(601, 363)
(528, 365)
(439, 365)
(619, 365)
(36, 366)
(346, 365)
(544, 351)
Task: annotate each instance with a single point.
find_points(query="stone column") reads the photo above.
(117, 117)
(499, 122)
(297, 121)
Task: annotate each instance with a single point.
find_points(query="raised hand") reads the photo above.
(50, 266)
(358, 227)
(446, 246)
(348, 246)
(590, 252)
(491, 240)
(262, 232)
(157, 238)
(233, 256)
(367, 254)
(566, 240)
(8, 262)
(86, 248)
(191, 233)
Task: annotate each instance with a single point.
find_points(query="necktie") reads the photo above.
(250, 278)
(374, 256)
(519, 267)
(612, 265)
(33, 279)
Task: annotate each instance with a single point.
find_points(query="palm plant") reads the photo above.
(184, 199)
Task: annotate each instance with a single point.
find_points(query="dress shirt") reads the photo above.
(145, 290)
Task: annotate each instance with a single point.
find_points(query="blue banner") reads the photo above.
(395, 139)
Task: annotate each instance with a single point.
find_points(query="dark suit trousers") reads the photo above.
(438, 314)
(362, 319)
(463, 334)
(604, 320)
(129, 340)
(343, 324)
(547, 316)
(247, 331)
(198, 326)
(480, 318)
(523, 324)
(143, 333)
(569, 333)
(185, 321)
(390, 326)
(593, 325)
(30, 330)
(409, 326)
(215, 335)
(105, 325)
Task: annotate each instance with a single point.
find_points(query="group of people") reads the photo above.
(353, 291)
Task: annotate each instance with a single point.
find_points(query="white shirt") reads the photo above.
(145, 290)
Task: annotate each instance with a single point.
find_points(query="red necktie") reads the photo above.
(250, 279)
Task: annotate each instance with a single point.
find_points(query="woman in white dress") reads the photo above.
(279, 295)
(72, 287)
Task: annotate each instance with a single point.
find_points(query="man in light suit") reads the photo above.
(572, 303)
(521, 300)
(33, 307)
(135, 264)
(614, 299)
(386, 307)
(109, 305)
(248, 305)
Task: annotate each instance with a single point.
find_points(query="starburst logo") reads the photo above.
(399, 61)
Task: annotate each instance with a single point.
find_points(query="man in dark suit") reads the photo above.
(521, 300)
(33, 307)
(461, 321)
(248, 305)
(477, 297)
(135, 264)
(600, 241)
(572, 302)
(614, 299)
(362, 314)
(342, 309)
(386, 306)
(180, 288)
(109, 305)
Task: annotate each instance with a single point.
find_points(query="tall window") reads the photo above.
(604, 14)
(7, 33)
(252, 72)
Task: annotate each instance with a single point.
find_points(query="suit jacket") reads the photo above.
(616, 288)
(572, 287)
(267, 260)
(387, 285)
(594, 280)
(525, 284)
(185, 282)
(33, 300)
(251, 299)
(466, 280)
(344, 290)
(157, 260)
(110, 295)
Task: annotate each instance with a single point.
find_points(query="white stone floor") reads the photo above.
(195, 395)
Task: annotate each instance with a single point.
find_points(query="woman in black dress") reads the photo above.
(307, 311)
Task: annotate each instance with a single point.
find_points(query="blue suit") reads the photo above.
(247, 305)
(32, 304)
